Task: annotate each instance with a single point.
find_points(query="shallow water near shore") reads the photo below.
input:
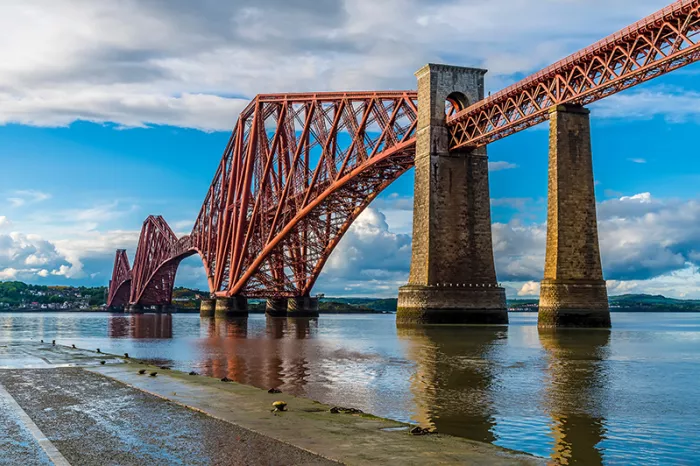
(625, 396)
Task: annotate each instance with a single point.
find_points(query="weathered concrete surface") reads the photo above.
(276, 307)
(236, 306)
(92, 419)
(452, 253)
(302, 306)
(15, 438)
(573, 292)
(96, 420)
(207, 307)
(349, 439)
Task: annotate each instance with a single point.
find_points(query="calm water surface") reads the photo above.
(626, 396)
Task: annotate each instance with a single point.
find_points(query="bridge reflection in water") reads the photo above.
(457, 391)
(461, 381)
(453, 381)
(275, 359)
(575, 394)
(141, 326)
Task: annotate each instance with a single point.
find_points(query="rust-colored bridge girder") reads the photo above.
(120, 284)
(656, 45)
(158, 255)
(300, 168)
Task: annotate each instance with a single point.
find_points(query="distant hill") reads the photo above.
(646, 302)
(627, 303)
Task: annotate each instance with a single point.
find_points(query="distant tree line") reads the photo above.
(15, 292)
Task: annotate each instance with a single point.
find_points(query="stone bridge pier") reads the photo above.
(573, 292)
(453, 278)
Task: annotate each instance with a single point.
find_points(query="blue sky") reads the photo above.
(97, 131)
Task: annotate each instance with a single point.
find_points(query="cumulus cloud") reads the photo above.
(643, 240)
(370, 260)
(4, 222)
(530, 289)
(26, 256)
(640, 238)
(195, 65)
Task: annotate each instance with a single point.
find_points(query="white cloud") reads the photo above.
(498, 166)
(26, 256)
(638, 160)
(4, 222)
(674, 105)
(370, 260)
(530, 289)
(194, 65)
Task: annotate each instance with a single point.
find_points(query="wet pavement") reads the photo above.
(92, 419)
(17, 445)
(67, 406)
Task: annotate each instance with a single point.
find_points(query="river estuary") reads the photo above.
(626, 396)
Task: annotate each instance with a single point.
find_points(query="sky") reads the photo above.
(112, 111)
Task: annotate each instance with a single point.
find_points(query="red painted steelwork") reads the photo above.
(656, 45)
(120, 284)
(158, 255)
(299, 168)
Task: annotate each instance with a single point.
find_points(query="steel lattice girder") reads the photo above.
(120, 284)
(158, 255)
(658, 44)
(299, 168)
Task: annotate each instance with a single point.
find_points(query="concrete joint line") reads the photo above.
(51, 451)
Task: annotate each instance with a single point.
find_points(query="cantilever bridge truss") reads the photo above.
(300, 168)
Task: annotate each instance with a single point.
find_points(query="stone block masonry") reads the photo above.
(573, 292)
(207, 307)
(235, 306)
(453, 278)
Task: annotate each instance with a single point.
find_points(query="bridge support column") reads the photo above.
(236, 306)
(134, 308)
(276, 307)
(207, 307)
(302, 306)
(453, 278)
(573, 292)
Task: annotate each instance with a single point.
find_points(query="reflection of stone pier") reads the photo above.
(453, 378)
(575, 394)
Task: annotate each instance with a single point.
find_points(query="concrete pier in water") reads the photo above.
(207, 307)
(236, 306)
(453, 277)
(302, 306)
(276, 307)
(573, 292)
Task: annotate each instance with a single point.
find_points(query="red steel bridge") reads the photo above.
(300, 168)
